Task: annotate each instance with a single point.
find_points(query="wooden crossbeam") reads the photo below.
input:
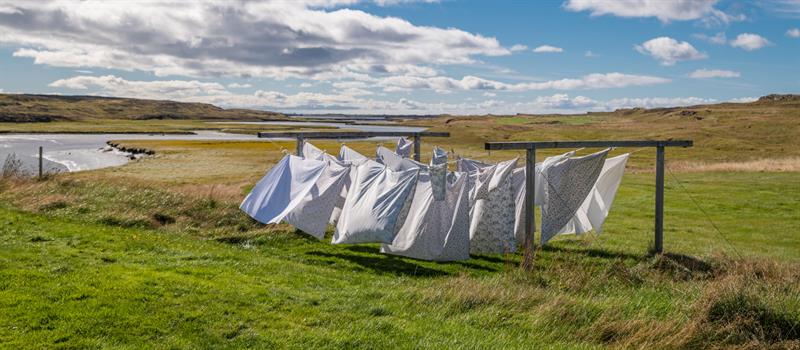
(301, 136)
(530, 189)
(587, 144)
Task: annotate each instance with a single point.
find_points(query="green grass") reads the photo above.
(88, 266)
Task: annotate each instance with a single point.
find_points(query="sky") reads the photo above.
(405, 56)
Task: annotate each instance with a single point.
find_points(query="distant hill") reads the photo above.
(45, 108)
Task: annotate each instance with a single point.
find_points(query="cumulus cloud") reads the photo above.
(717, 39)
(239, 86)
(668, 51)
(589, 53)
(158, 89)
(713, 73)
(548, 49)
(656, 102)
(518, 47)
(665, 11)
(276, 39)
(793, 33)
(350, 97)
(749, 41)
(743, 99)
(590, 81)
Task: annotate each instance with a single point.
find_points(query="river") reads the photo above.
(76, 152)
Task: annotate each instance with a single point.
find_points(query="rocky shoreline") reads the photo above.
(134, 152)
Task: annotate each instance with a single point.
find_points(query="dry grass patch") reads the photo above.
(770, 165)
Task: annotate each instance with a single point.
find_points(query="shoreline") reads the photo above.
(4, 132)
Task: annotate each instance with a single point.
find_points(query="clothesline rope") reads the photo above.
(703, 211)
(280, 148)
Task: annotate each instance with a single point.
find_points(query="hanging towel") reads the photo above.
(492, 219)
(568, 182)
(435, 230)
(594, 210)
(404, 146)
(438, 169)
(282, 189)
(375, 203)
(439, 156)
(438, 173)
(313, 213)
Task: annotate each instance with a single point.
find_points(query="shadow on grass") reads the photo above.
(384, 264)
(595, 252)
(373, 250)
(685, 267)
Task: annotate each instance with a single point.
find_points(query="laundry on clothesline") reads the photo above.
(439, 156)
(394, 161)
(403, 148)
(425, 211)
(435, 230)
(518, 186)
(595, 208)
(282, 189)
(376, 204)
(492, 206)
(568, 183)
(312, 214)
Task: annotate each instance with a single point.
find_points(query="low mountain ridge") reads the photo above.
(46, 108)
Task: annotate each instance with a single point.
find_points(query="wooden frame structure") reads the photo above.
(301, 136)
(530, 179)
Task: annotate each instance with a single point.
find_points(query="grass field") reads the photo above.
(155, 253)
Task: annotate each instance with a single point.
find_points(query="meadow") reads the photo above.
(156, 254)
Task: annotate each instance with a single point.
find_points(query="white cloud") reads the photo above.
(349, 98)
(276, 39)
(591, 81)
(548, 49)
(518, 47)
(743, 99)
(158, 89)
(713, 73)
(783, 8)
(793, 33)
(664, 10)
(668, 50)
(589, 53)
(718, 39)
(239, 86)
(749, 41)
(656, 102)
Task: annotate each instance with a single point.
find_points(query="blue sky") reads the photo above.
(405, 56)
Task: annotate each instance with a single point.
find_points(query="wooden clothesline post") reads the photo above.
(301, 136)
(530, 180)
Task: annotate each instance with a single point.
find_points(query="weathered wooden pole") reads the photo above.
(530, 197)
(299, 146)
(417, 143)
(658, 247)
(41, 172)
